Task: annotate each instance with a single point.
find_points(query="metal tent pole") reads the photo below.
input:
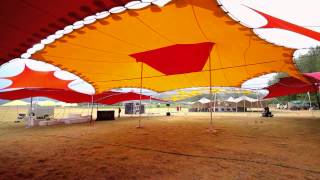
(141, 78)
(91, 109)
(211, 96)
(88, 108)
(150, 105)
(236, 106)
(317, 95)
(210, 83)
(310, 105)
(259, 102)
(31, 113)
(210, 79)
(214, 102)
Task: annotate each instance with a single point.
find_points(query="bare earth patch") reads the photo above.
(177, 147)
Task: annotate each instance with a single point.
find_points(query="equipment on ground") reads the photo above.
(134, 108)
(105, 115)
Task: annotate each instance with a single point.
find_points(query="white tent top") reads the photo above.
(204, 100)
(230, 99)
(63, 104)
(47, 103)
(16, 103)
(242, 98)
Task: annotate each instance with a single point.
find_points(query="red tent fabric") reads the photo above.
(273, 22)
(37, 79)
(289, 86)
(25, 23)
(116, 97)
(68, 96)
(313, 77)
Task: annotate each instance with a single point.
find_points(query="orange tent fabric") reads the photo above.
(116, 54)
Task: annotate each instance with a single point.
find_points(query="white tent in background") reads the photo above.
(16, 103)
(230, 99)
(63, 104)
(204, 100)
(47, 103)
(190, 103)
(244, 98)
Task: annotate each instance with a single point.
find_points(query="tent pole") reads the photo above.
(150, 105)
(310, 105)
(141, 78)
(210, 83)
(258, 102)
(210, 79)
(236, 107)
(88, 108)
(31, 113)
(214, 102)
(317, 95)
(91, 109)
(210, 107)
(250, 109)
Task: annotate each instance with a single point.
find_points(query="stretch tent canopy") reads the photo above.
(24, 23)
(172, 47)
(289, 86)
(68, 96)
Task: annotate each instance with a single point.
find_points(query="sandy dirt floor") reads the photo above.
(177, 147)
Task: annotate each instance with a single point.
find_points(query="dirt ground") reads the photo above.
(177, 147)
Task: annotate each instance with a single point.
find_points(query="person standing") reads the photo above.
(119, 112)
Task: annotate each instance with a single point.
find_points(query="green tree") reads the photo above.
(309, 62)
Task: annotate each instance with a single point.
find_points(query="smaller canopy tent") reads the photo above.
(16, 103)
(68, 96)
(290, 85)
(243, 101)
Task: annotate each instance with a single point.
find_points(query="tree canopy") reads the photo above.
(306, 63)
